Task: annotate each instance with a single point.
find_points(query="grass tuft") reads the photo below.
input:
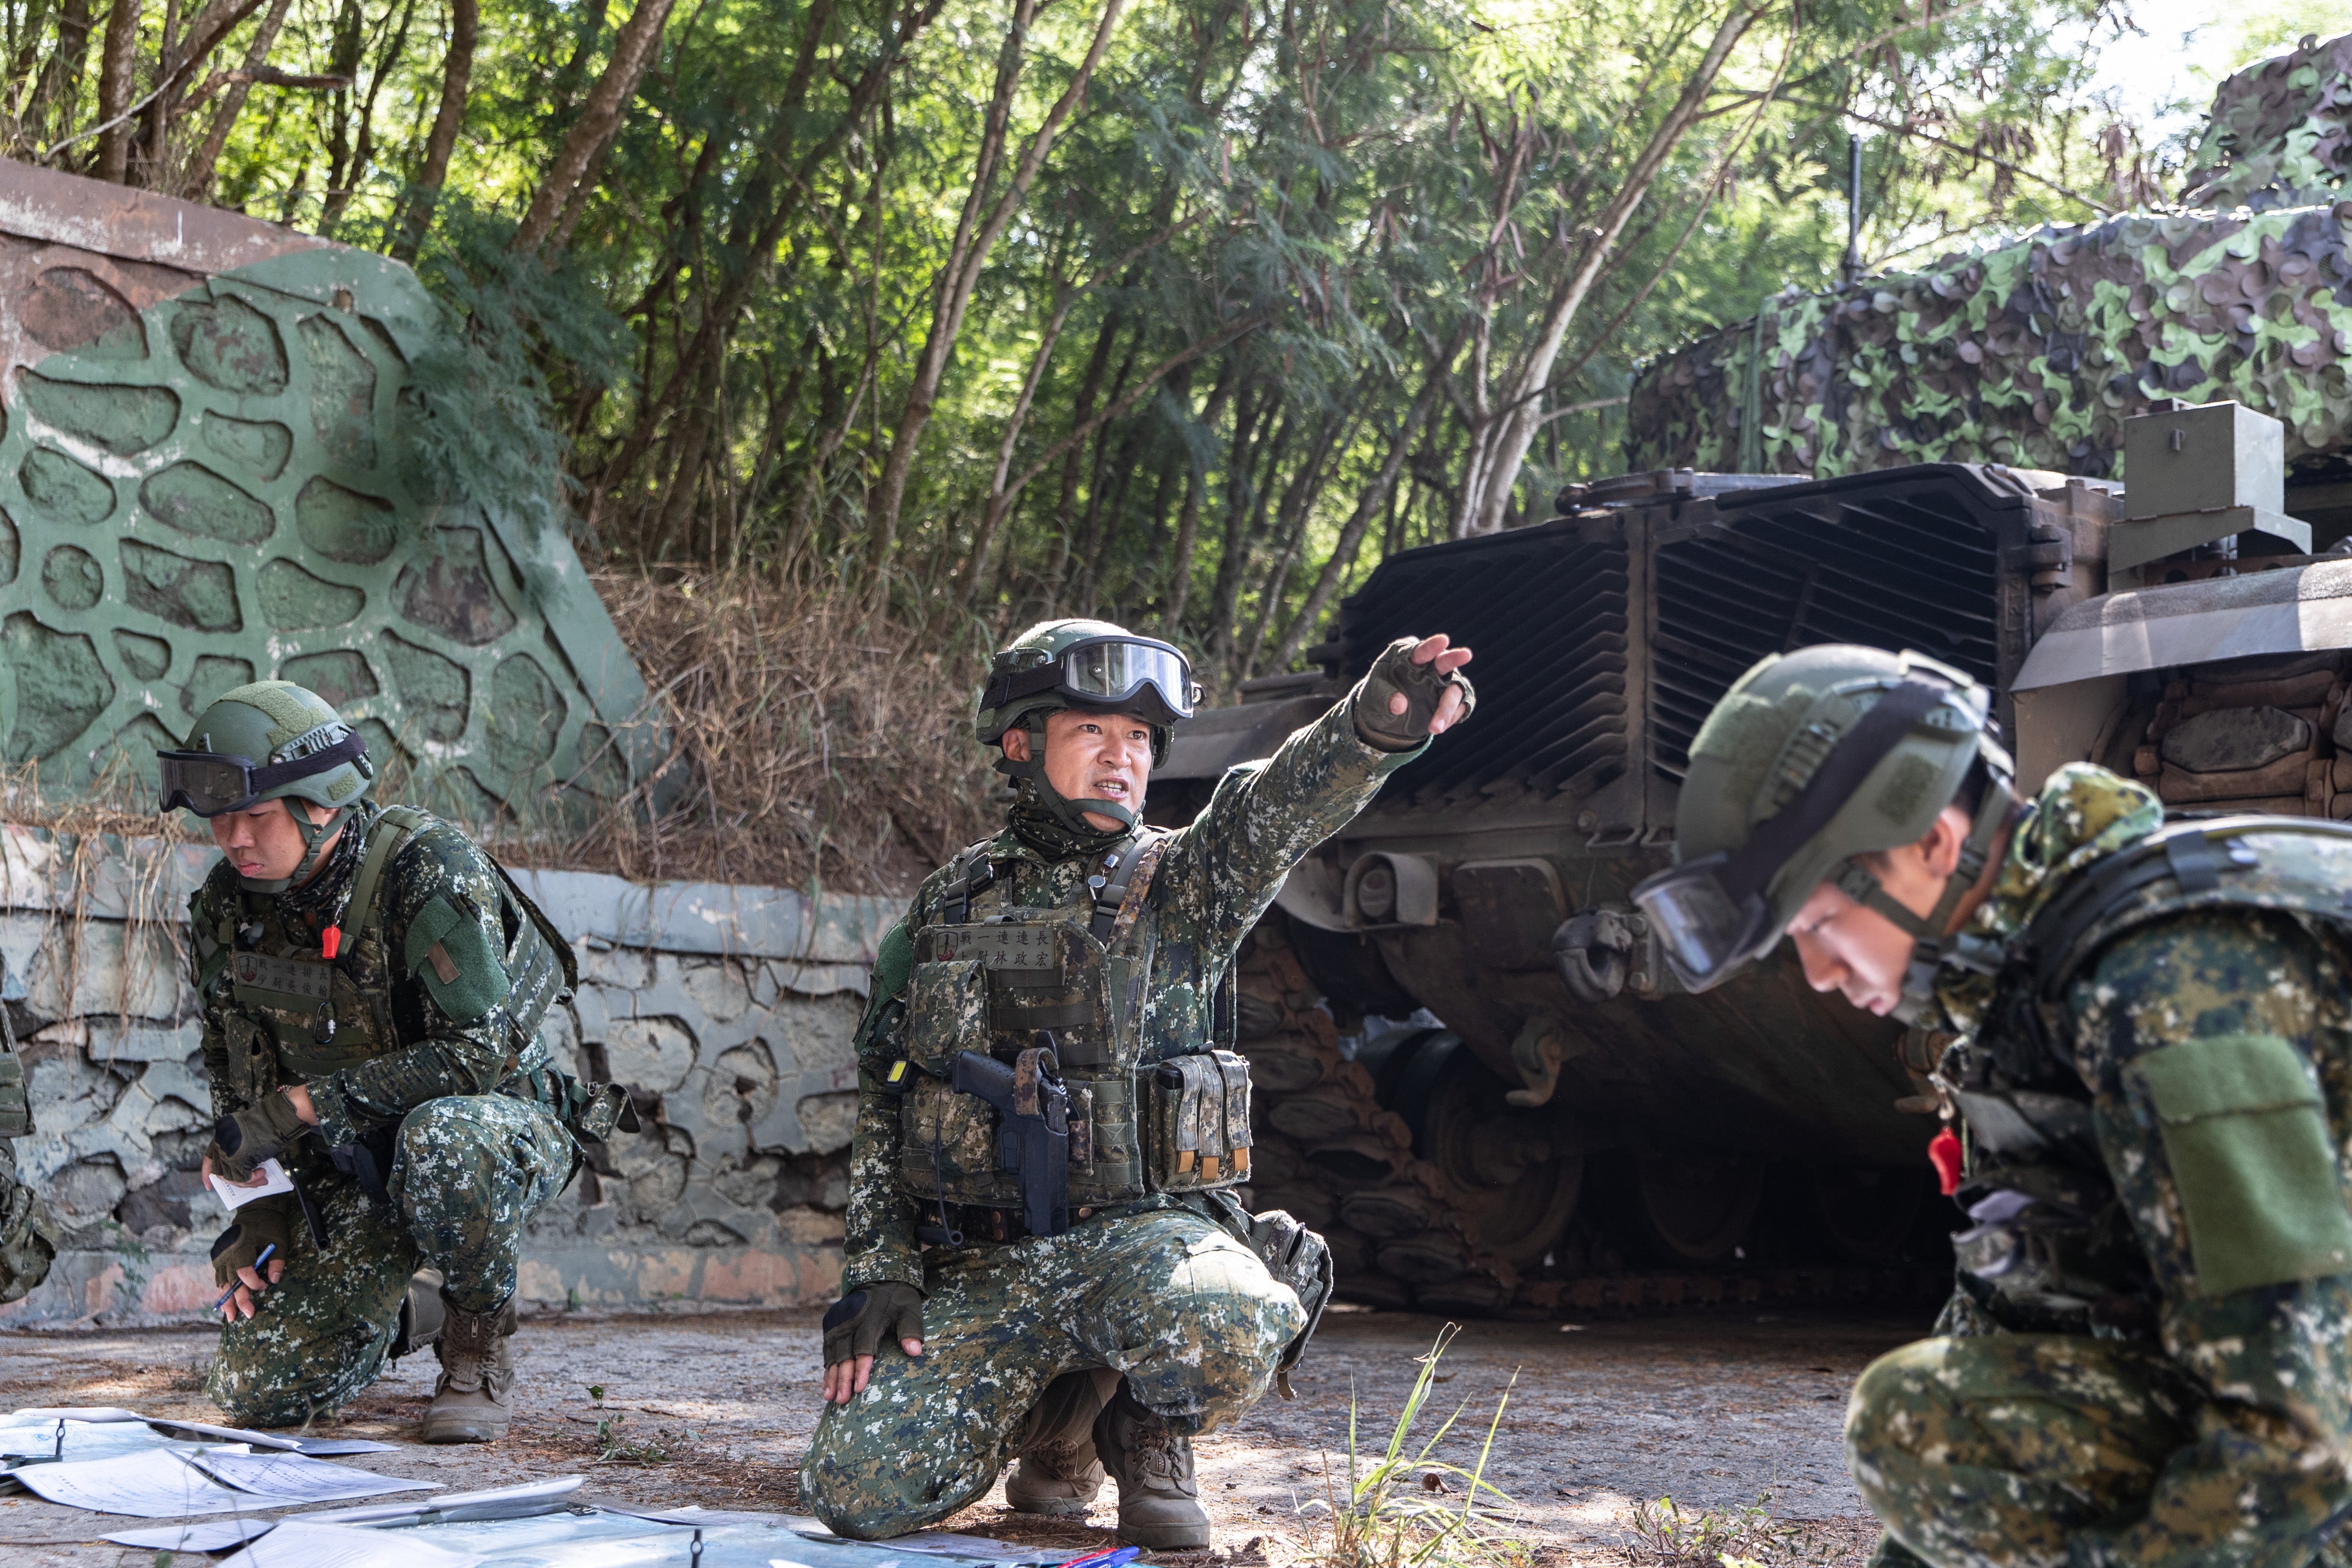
(1396, 1508)
(1665, 1535)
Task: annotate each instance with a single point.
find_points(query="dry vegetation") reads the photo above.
(806, 741)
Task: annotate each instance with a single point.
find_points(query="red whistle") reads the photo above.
(1944, 1154)
(330, 939)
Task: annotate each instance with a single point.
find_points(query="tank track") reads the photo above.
(1405, 1235)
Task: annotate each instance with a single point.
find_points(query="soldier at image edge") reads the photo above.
(2146, 1358)
(30, 1235)
(371, 985)
(1045, 1258)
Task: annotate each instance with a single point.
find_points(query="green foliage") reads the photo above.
(481, 424)
(1392, 1509)
(1280, 252)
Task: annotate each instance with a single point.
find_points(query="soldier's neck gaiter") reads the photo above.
(1057, 834)
(322, 891)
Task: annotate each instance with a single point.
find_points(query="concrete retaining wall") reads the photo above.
(727, 1011)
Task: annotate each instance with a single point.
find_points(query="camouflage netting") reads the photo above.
(2036, 353)
(208, 475)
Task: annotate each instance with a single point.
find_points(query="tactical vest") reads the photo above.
(1057, 998)
(299, 1016)
(2053, 1248)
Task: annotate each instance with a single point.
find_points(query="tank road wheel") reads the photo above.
(1329, 1152)
(1867, 1215)
(1502, 1170)
(1696, 1210)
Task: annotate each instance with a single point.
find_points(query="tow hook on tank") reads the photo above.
(1538, 1052)
(1594, 950)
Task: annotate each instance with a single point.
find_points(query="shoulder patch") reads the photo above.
(2250, 1156)
(445, 948)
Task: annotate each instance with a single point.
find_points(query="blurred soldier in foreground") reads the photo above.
(1044, 1257)
(372, 986)
(2146, 1361)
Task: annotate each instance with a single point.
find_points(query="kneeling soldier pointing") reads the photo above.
(372, 986)
(2146, 1359)
(1045, 1257)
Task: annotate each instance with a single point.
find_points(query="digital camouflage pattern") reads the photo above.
(2033, 353)
(2150, 1201)
(1215, 878)
(1161, 1286)
(396, 1052)
(1167, 1297)
(469, 1171)
(29, 1232)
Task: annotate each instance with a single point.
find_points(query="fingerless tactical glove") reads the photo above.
(1394, 672)
(859, 1322)
(255, 1226)
(259, 1131)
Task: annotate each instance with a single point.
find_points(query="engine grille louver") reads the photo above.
(1912, 570)
(1546, 618)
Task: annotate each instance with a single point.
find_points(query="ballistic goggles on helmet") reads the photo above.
(209, 783)
(1715, 914)
(1130, 674)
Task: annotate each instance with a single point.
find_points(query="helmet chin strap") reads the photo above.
(314, 835)
(1933, 944)
(1069, 814)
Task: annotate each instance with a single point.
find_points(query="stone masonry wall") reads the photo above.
(726, 1011)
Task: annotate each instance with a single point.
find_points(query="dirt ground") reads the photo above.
(1715, 1410)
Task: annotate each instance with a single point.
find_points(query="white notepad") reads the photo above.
(235, 1196)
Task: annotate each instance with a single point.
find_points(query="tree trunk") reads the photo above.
(456, 81)
(1368, 505)
(638, 42)
(198, 179)
(977, 231)
(1188, 523)
(118, 62)
(1501, 446)
(61, 75)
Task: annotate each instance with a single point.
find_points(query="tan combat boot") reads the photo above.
(1058, 1472)
(1158, 1501)
(473, 1402)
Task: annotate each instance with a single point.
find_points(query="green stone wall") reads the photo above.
(204, 480)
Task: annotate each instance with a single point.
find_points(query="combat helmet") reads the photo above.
(1081, 663)
(1811, 760)
(270, 740)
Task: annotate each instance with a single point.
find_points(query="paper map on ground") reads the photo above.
(298, 1544)
(201, 1535)
(320, 1446)
(298, 1477)
(154, 1484)
(235, 1196)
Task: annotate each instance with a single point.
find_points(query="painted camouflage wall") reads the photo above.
(726, 1011)
(207, 477)
(2034, 353)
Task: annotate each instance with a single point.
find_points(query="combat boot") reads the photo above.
(473, 1402)
(1159, 1500)
(1058, 1472)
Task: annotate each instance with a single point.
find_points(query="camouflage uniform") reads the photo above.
(2147, 1361)
(418, 1049)
(1159, 1287)
(2034, 352)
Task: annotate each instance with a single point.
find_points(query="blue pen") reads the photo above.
(258, 1262)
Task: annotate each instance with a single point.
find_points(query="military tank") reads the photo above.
(1474, 1072)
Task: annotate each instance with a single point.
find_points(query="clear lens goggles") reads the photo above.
(209, 783)
(1705, 931)
(1115, 671)
(1130, 673)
